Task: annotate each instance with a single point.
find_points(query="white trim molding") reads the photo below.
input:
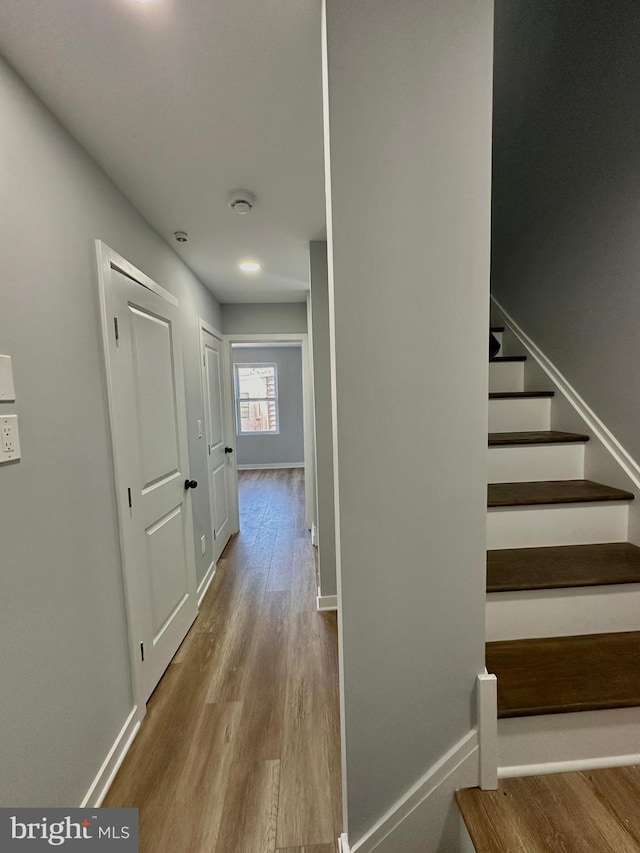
(488, 730)
(610, 442)
(326, 602)
(457, 768)
(205, 583)
(110, 766)
(343, 844)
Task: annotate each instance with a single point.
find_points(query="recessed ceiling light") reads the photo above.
(249, 266)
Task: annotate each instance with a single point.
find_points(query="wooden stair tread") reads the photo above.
(518, 395)
(562, 566)
(551, 436)
(508, 358)
(541, 492)
(592, 811)
(496, 329)
(557, 675)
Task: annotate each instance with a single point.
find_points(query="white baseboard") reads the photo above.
(343, 844)
(611, 443)
(110, 766)
(458, 768)
(568, 766)
(326, 602)
(205, 583)
(268, 466)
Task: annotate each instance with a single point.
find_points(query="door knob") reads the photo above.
(228, 450)
(190, 484)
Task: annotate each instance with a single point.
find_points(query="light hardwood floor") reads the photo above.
(239, 751)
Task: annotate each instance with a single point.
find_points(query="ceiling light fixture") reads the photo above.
(249, 266)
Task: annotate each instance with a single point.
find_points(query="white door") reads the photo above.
(148, 413)
(218, 452)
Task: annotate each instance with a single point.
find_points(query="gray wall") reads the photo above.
(409, 87)
(64, 661)
(257, 318)
(566, 216)
(321, 357)
(286, 448)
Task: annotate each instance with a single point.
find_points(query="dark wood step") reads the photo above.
(508, 358)
(561, 674)
(518, 395)
(592, 811)
(552, 492)
(497, 329)
(561, 566)
(507, 439)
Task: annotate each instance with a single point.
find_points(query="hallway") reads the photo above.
(239, 751)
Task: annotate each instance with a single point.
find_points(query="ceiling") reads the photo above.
(181, 101)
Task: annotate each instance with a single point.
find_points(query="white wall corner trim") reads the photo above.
(205, 583)
(488, 730)
(110, 766)
(606, 437)
(326, 602)
(343, 844)
(464, 752)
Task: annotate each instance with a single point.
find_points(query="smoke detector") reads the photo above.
(241, 201)
(181, 236)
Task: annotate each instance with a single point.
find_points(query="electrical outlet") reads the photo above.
(9, 439)
(203, 544)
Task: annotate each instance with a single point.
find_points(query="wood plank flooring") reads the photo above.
(595, 811)
(240, 750)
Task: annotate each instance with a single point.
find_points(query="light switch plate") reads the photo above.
(7, 389)
(9, 439)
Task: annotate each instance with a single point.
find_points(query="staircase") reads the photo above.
(563, 632)
(563, 588)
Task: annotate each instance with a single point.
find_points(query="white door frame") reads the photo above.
(108, 260)
(307, 405)
(233, 508)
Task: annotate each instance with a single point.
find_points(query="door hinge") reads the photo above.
(129, 493)
(115, 328)
(142, 651)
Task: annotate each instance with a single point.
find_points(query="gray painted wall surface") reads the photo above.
(269, 318)
(286, 448)
(566, 185)
(323, 417)
(410, 152)
(64, 661)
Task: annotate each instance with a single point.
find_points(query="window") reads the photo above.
(256, 399)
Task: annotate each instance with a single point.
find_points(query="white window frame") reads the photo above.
(238, 400)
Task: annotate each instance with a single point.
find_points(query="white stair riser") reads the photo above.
(519, 414)
(506, 376)
(563, 612)
(532, 746)
(521, 464)
(558, 524)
